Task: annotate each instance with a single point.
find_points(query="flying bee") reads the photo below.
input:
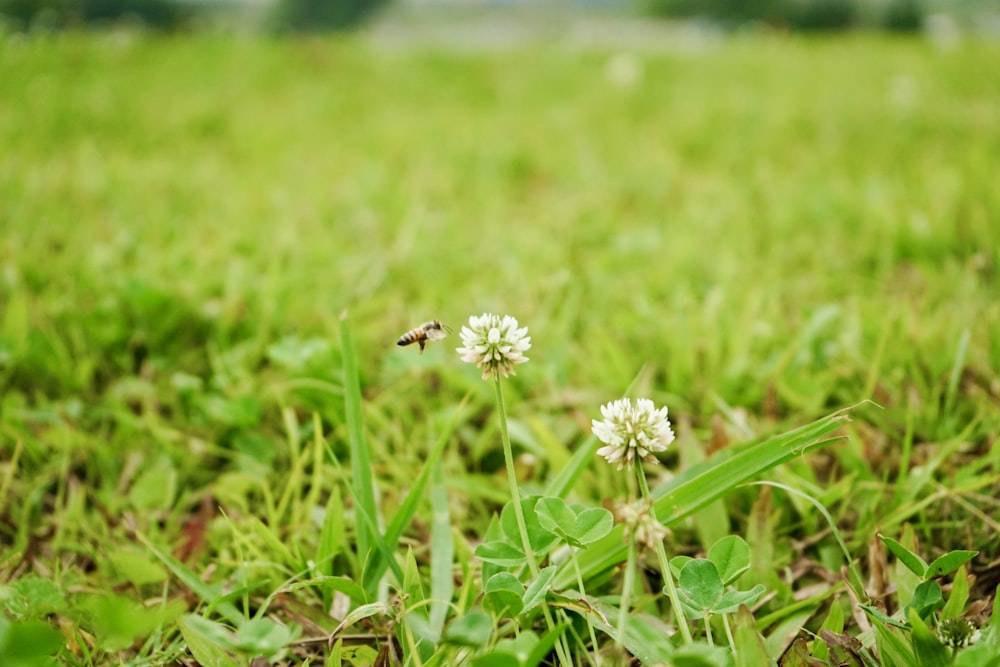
(432, 330)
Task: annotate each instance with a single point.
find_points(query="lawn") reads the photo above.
(212, 449)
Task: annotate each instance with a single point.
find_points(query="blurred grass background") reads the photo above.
(756, 231)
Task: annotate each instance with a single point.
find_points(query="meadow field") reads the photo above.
(212, 451)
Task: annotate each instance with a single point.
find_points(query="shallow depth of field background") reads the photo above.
(756, 229)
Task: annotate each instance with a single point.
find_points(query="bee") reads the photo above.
(432, 330)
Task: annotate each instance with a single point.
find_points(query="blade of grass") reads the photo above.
(401, 519)
(209, 594)
(442, 553)
(369, 523)
(361, 472)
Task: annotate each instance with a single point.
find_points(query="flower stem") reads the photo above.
(583, 591)
(627, 585)
(661, 554)
(522, 527)
(515, 494)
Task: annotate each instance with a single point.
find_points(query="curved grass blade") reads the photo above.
(703, 483)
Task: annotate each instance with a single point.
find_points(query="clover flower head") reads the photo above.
(632, 431)
(641, 525)
(495, 344)
(958, 632)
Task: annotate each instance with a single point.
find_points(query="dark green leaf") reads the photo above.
(949, 562)
(731, 555)
(500, 553)
(539, 588)
(701, 584)
(912, 561)
(927, 599)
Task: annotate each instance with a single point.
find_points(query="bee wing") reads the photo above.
(436, 334)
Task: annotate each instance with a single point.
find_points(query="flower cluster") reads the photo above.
(957, 633)
(494, 344)
(640, 524)
(632, 431)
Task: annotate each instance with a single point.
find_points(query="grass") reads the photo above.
(201, 454)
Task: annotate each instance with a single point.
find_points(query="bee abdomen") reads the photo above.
(409, 338)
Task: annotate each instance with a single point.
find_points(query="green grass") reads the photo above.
(757, 235)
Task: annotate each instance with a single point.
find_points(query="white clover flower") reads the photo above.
(640, 524)
(494, 344)
(958, 633)
(630, 432)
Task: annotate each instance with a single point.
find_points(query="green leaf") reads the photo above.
(750, 649)
(156, 487)
(540, 538)
(262, 636)
(731, 555)
(912, 561)
(958, 596)
(117, 621)
(929, 649)
(32, 597)
(539, 588)
(496, 659)
(474, 630)
(881, 617)
(592, 525)
(28, 643)
(926, 599)
(520, 646)
(701, 584)
(555, 516)
(949, 562)
(500, 553)
(978, 655)
(136, 568)
(208, 641)
(503, 595)
(891, 647)
(731, 600)
(701, 655)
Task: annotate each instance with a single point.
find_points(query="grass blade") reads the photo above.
(401, 519)
(442, 553)
(700, 485)
(361, 471)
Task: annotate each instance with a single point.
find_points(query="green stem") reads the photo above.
(583, 591)
(729, 633)
(515, 494)
(661, 554)
(522, 526)
(626, 589)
